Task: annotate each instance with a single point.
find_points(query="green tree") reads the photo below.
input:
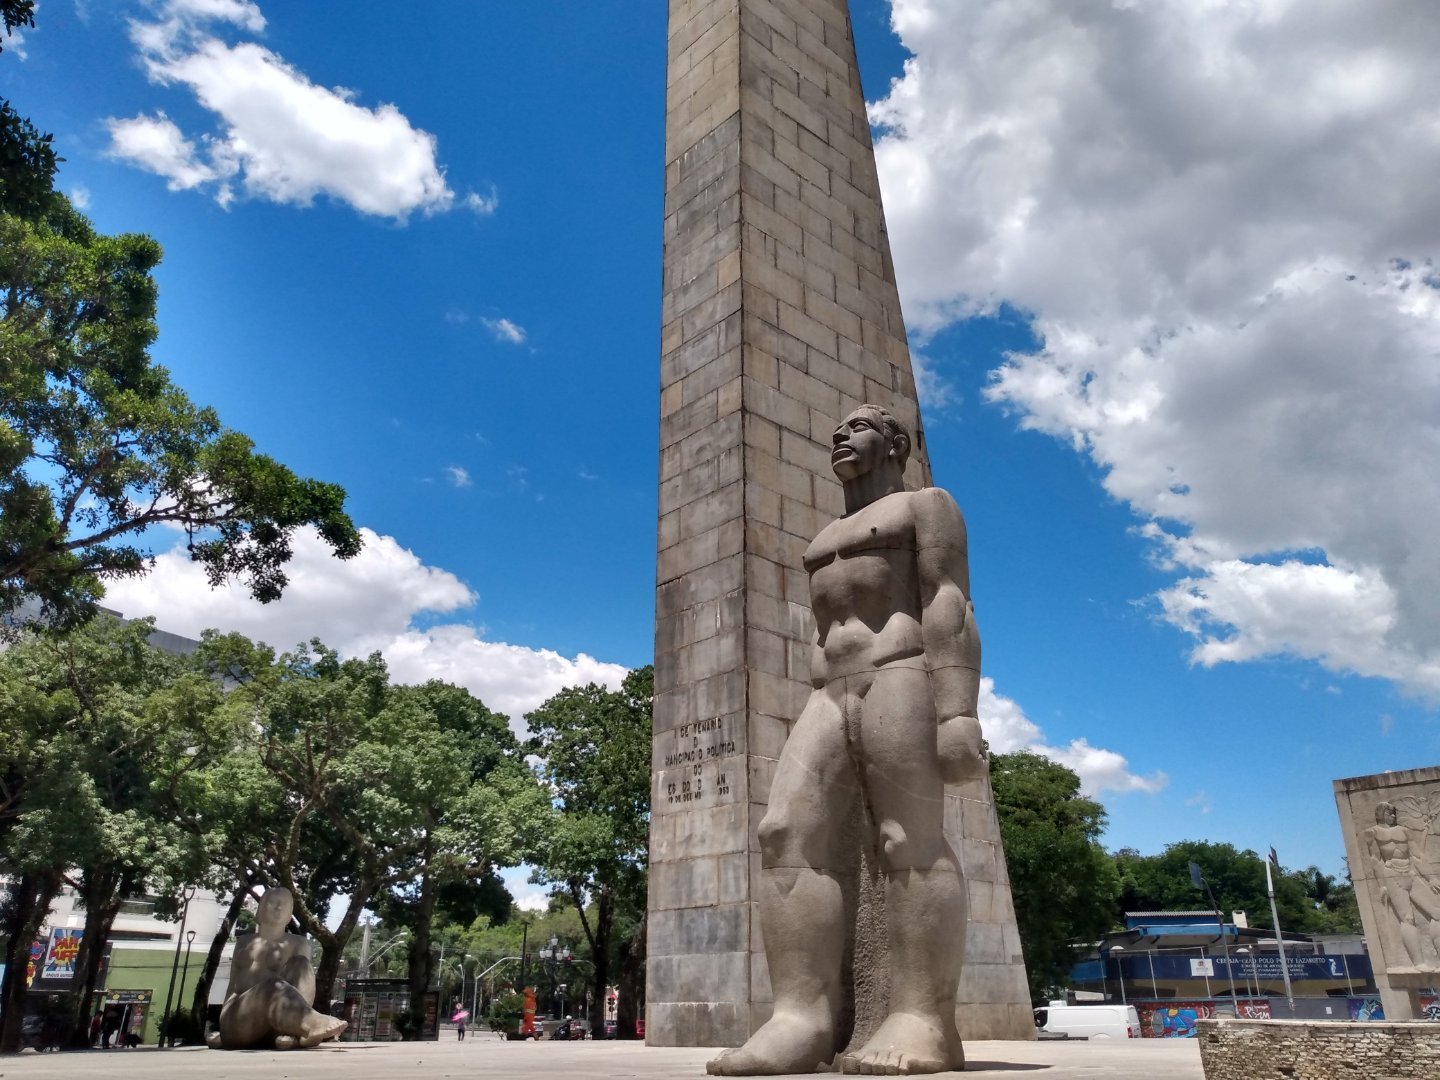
(1064, 884)
(594, 745)
(97, 444)
(1237, 878)
(489, 815)
(128, 719)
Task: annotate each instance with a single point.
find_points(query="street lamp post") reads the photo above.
(184, 972)
(167, 1034)
(1199, 881)
(1115, 951)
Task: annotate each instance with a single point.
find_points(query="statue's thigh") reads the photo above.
(814, 787)
(900, 755)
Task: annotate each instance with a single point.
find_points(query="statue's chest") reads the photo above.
(875, 530)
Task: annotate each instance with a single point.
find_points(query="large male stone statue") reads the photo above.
(272, 987)
(891, 720)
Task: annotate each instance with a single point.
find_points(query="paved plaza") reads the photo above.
(487, 1056)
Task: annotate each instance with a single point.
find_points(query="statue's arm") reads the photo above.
(949, 632)
(299, 972)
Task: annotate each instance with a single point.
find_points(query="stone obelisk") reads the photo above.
(780, 316)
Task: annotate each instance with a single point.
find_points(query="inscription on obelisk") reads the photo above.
(780, 317)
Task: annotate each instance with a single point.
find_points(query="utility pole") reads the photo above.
(1279, 938)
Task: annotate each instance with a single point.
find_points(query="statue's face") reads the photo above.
(275, 909)
(859, 445)
(1385, 814)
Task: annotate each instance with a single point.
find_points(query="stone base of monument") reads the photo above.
(1318, 1049)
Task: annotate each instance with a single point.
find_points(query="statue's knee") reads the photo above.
(776, 834)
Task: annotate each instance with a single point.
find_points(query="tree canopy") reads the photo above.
(1063, 883)
(594, 745)
(97, 444)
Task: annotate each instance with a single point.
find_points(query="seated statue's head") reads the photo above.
(1385, 813)
(866, 440)
(273, 914)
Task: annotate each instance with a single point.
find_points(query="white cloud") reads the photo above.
(506, 331)
(80, 197)
(156, 144)
(280, 137)
(1008, 729)
(14, 43)
(527, 896)
(1222, 218)
(360, 605)
(459, 477)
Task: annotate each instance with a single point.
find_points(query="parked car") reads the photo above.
(612, 1029)
(1088, 1021)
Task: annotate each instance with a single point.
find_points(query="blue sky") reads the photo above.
(1166, 271)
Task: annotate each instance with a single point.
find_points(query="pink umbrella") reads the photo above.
(463, 1014)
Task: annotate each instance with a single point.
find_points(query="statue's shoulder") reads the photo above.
(938, 520)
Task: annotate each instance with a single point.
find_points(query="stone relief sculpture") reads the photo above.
(1409, 882)
(891, 719)
(272, 987)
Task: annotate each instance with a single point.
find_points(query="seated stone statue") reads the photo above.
(892, 718)
(272, 987)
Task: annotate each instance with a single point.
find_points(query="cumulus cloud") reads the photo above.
(368, 603)
(506, 331)
(1222, 219)
(280, 136)
(1008, 729)
(156, 144)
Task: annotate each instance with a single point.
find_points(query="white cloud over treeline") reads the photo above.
(1008, 729)
(375, 601)
(1222, 218)
(280, 136)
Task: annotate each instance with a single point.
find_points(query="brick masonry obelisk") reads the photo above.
(780, 316)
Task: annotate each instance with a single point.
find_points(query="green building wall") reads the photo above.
(149, 969)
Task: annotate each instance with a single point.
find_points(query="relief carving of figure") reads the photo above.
(1396, 850)
(895, 670)
(272, 987)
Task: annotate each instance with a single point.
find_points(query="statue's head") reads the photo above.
(276, 907)
(866, 440)
(1385, 813)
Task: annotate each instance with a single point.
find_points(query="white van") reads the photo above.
(1089, 1021)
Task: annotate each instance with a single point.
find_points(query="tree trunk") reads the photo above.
(631, 982)
(28, 907)
(201, 1002)
(101, 889)
(600, 957)
(332, 944)
(420, 966)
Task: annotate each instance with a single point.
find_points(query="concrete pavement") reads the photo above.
(484, 1055)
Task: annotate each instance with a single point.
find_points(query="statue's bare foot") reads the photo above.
(905, 1045)
(213, 1041)
(786, 1043)
(319, 1027)
(286, 1042)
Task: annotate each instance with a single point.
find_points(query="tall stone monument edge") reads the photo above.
(780, 317)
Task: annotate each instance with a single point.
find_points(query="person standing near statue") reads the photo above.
(272, 987)
(891, 719)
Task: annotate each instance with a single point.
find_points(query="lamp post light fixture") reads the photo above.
(1245, 950)
(1115, 951)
